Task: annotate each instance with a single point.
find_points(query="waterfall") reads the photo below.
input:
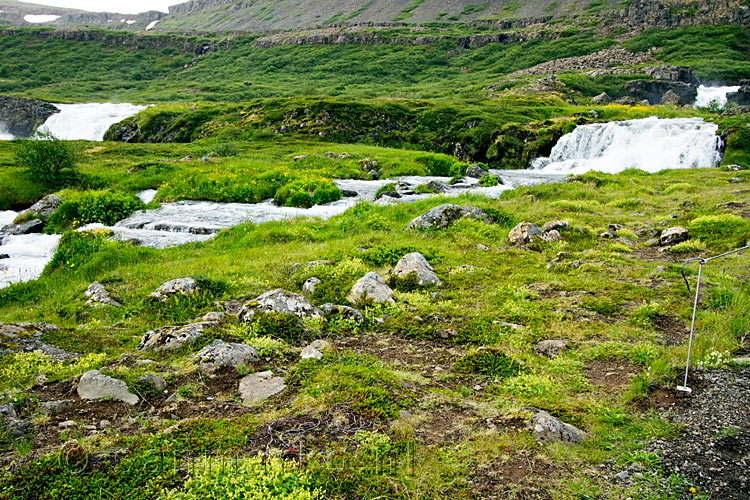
(87, 121)
(4, 134)
(649, 144)
(708, 94)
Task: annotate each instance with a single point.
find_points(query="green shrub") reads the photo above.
(488, 362)
(227, 149)
(387, 188)
(721, 230)
(488, 180)
(246, 478)
(277, 325)
(105, 207)
(689, 246)
(48, 160)
(439, 165)
(307, 192)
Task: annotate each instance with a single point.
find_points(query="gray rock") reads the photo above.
(438, 187)
(601, 99)
(315, 350)
(308, 287)
(99, 296)
(735, 180)
(593, 113)
(68, 424)
(606, 235)
(345, 312)
(170, 338)
(348, 193)
(21, 116)
(53, 408)
(299, 157)
(416, 263)
(94, 385)
(219, 354)
(443, 216)
(555, 225)
(158, 382)
(29, 227)
(553, 235)
(105, 424)
(7, 410)
(674, 235)
(184, 286)
(43, 208)
(259, 386)
(214, 316)
(525, 233)
(547, 429)
(280, 301)
(26, 337)
(482, 248)
(671, 97)
(371, 287)
(550, 348)
(475, 172)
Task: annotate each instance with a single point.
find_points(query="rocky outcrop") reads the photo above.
(371, 287)
(43, 208)
(654, 90)
(179, 286)
(280, 301)
(443, 216)
(219, 354)
(22, 116)
(94, 385)
(97, 295)
(345, 312)
(674, 235)
(604, 59)
(26, 337)
(170, 338)
(28, 227)
(415, 263)
(742, 96)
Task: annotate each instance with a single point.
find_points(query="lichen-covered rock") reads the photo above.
(475, 171)
(219, 354)
(371, 287)
(99, 296)
(443, 216)
(417, 264)
(674, 235)
(56, 407)
(259, 386)
(308, 287)
(43, 208)
(94, 385)
(183, 286)
(170, 338)
(315, 350)
(555, 225)
(550, 348)
(280, 301)
(345, 312)
(525, 233)
(547, 429)
(26, 337)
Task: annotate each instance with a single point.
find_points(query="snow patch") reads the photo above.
(152, 24)
(40, 18)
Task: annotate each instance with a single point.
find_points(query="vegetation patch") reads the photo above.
(489, 362)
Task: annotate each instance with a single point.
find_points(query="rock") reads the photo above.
(184, 286)
(547, 429)
(644, 103)
(280, 301)
(345, 312)
(735, 180)
(416, 263)
(622, 476)
(94, 385)
(170, 338)
(68, 424)
(593, 114)
(299, 158)
(443, 216)
(158, 382)
(555, 225)
(214, 316)
(205, 159)
(308, 287)
(482, 248)
(43, 208)
(105, 424)
(614, 227)
(26, 337)
(99, 296)
(653, 242)
(525, 233)
(259, 386)
(550, 348)
(475, 172)
(553, 235)
(673, 235)
(29, 227)
(22, 116)
(348, 193)
(438, 187)
(734, 167)
(53, 408)
(606, 235)
(601, 99)
(4, 255)
(219, 354)
(371, 287)
(670, 97)
(626, 100)
(315, 350)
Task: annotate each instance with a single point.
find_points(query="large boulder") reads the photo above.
(682, 74)
(547, 429)
(601, 99)
(182, 286)
(94, 385)
(371, 287)
(170, 338)
(22, 116)
(259, 386)
(417, 264)
(97, 295)
(28, 227)
(443, 216)
(43, 208)
(345, 312)
(670, 97)
(525, 233)
(475, 171)
(26, 337)
(674, 235)
(219, 354)
(280, 301)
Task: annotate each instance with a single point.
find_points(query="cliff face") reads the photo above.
(22, 116)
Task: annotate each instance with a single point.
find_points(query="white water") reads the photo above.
(649, 144)
(29, 253)
(87, 121)
(40, 18)
(708, 94)
(4, 134)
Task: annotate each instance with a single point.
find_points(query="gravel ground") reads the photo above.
(713, 449)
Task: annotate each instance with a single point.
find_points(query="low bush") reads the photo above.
(488, 362)
(105, 207)
(305, 193)
(488, 180)
(48, 160)
(721, 230)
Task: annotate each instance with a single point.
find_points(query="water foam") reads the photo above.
(87, 121)
(4, 134)
(649, 144)
(708, 94)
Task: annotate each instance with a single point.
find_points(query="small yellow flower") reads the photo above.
(692, 490)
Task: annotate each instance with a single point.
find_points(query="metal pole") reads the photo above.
(684, 387)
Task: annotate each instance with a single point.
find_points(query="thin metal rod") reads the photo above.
(692, 325)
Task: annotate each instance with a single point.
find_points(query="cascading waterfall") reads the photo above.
(649, 144)
(4, 134)
(706, 95)
(87, 121)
